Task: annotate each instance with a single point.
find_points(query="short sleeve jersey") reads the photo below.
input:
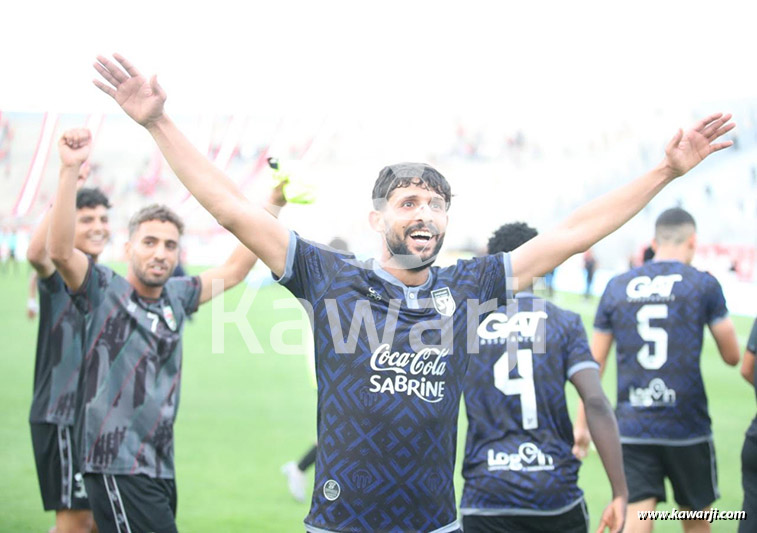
(131, 373)
(657, 313)
(518, 458)
(59, 352)
(390, 361)
(751, 345)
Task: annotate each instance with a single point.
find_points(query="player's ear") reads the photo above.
(376, 220)
(654, 245)
(127, 248)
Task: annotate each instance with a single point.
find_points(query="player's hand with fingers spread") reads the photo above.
(140, 98)
(687, 150)
(614, 516)
(74, 147)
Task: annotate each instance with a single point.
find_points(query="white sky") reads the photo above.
(581, 61)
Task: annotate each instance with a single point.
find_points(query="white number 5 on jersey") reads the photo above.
(657, 336)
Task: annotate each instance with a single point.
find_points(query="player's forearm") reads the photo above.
(211, 187)
(36, 252)
(604, 430)
(600, 217)
(60, 239)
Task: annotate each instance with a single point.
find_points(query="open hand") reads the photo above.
(687, 150)
(141, 99)
(614, 516)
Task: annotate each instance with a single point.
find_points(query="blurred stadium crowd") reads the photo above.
(534, 173)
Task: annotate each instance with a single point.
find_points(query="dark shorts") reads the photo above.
(576, 520)
(128, 504)
(60, 482)
(749, 483)
(692, 471)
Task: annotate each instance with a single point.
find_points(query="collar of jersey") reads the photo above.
(386, 276)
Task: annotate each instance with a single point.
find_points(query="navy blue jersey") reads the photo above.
(59, 347)
(518, 457)
(390, 361)
(657, 313)
(751, 345)
(130, 378)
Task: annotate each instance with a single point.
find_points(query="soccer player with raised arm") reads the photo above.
(656, 314)
(390, 333)
(749, 450)
(519, 468)
(130, 376)
(59, 352)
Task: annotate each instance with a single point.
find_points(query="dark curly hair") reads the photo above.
(91, 197)
(509, 236)
(406, 174)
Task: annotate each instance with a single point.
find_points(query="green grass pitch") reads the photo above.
(242, 416)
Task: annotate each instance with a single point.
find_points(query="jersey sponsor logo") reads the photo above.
(659, 287)
(498, 326)
(411, 373)
(443, 301)
(331, 490)
(655, 394)
(169, 316)
(529, 458)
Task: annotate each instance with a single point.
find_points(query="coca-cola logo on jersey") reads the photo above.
(412, 373)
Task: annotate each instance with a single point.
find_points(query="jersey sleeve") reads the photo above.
(187, 289)
(309, 269)
(52, 284)
(603, 317)
(494, 273)
(93, 289)
(714, 301)
(751, 344)
(577, 352)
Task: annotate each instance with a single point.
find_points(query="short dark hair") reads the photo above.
(670, 225)
(91, 197)
(510, 236)
(406, 174)
(155, 212)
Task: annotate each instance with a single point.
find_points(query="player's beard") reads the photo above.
(404, 257)
(146, 279)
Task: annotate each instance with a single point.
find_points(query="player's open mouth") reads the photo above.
(158, 269)
(421, 236)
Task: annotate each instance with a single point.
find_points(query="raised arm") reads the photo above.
(603, 425)
(143, 100)
(602, 216)
(241, 260)
(72, 264)
(36, 253)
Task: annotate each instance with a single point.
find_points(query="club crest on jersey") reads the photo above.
(443, 301)
(169, 316)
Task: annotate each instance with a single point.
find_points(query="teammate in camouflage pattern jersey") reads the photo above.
(130, 379)
(749, 450)
(519, 469)
(59, 347)
(410, 214)
(656, 314)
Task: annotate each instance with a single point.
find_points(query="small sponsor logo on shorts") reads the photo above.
(331, 490)
(80, 490)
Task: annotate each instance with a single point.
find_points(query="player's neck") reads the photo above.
(671, 254)
(411, 278)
